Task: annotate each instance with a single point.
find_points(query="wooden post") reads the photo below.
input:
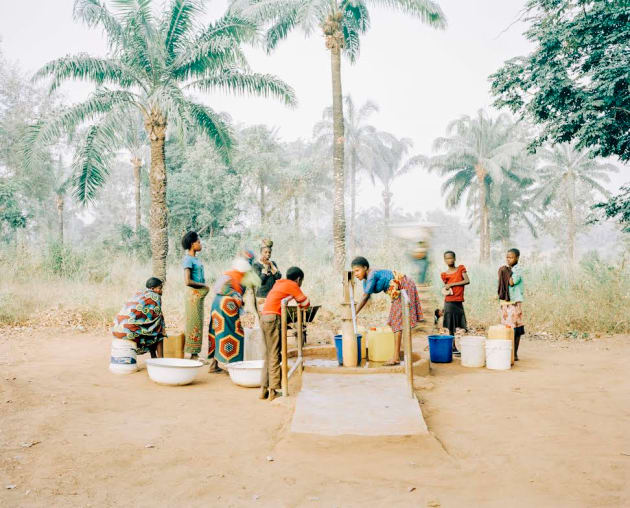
(300, 332)
(285, 360)
(407, 341)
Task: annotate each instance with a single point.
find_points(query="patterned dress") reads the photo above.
(141, 320)
(226, 335)
(392, 283)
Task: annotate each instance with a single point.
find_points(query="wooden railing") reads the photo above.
(299, 362)
(407, 343)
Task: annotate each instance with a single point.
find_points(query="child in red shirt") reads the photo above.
(283, 288)
(454, 278)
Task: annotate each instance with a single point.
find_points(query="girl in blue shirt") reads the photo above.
(196, 292)
(392, 283)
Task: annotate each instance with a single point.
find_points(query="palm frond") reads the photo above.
(253, 84)
(283, 24)
(177, 23)
(86, 67)
(211, 124)
(92, 162)
(95, 13)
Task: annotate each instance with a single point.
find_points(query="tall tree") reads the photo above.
(391, 164)
(514, 208)
(360, 147)
(342, 23)
(477, 153)
(565, 174)
(260, 160)
(136, 142)
(575, 83)
(152, 63)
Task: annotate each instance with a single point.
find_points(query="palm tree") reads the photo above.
(563, 174)
(135, 141)
(342, 23)
(360, 146)
(153, 61)
(478, 153)
(390, 165)
(514, 208)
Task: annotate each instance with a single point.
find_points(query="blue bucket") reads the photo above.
(339, 346)
(441, 348)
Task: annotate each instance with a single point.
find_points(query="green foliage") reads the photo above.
(618, 208)
(575, 83)
(63, 261)
(11, 215)
(153, 61)
(203, 194)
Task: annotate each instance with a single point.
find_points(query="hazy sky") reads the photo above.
(421, 78)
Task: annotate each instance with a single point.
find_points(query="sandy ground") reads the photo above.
(552, 432)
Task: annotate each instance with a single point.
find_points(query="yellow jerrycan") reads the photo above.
(174, 346)
(380, 344)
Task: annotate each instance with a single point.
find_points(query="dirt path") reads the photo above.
(549, 433)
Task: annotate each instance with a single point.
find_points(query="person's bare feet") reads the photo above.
(272, 394)
(264, 393)
(391, 363)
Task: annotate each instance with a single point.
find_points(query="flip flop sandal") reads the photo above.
(391, 364)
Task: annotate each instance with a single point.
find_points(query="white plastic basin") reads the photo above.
(173, 371)
(247, 373)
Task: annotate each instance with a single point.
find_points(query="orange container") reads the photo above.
(174, 346)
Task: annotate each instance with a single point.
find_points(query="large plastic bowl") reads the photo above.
(173, 371)
(247, 373)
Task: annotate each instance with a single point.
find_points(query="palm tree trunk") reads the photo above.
(484, 226)
(353, 201)
(137, 165)
(158, 219)
(60, 206)
(387, 204)
(571, 231)
(334, 42)
(262, 205)
(296, 215)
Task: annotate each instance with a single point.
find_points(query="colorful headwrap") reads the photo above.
(243, 262)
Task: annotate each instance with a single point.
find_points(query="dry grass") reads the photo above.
(87, 290)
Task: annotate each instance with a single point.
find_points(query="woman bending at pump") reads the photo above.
(392, 283)
(141, 320)
(266, 269)
(226, 335)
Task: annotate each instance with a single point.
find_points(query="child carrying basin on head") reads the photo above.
(283, 288)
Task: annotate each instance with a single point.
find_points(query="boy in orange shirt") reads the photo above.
(283, 288)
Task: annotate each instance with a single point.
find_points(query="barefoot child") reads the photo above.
(454, 278)
(283, 288)
(392, 283)
(511, 297)
(196, 292)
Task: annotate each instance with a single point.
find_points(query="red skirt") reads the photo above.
(415, 308)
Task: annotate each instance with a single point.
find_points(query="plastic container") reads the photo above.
(173, 371)
(174, 346)
(498, 353)
(380, 344)
(123, 357)
(441, 348)
(254, 343)
(473, 351)
(339, 347)
(502, 332)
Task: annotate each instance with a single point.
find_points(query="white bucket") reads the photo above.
(473, 351)
(499, 354)
(123, 357)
